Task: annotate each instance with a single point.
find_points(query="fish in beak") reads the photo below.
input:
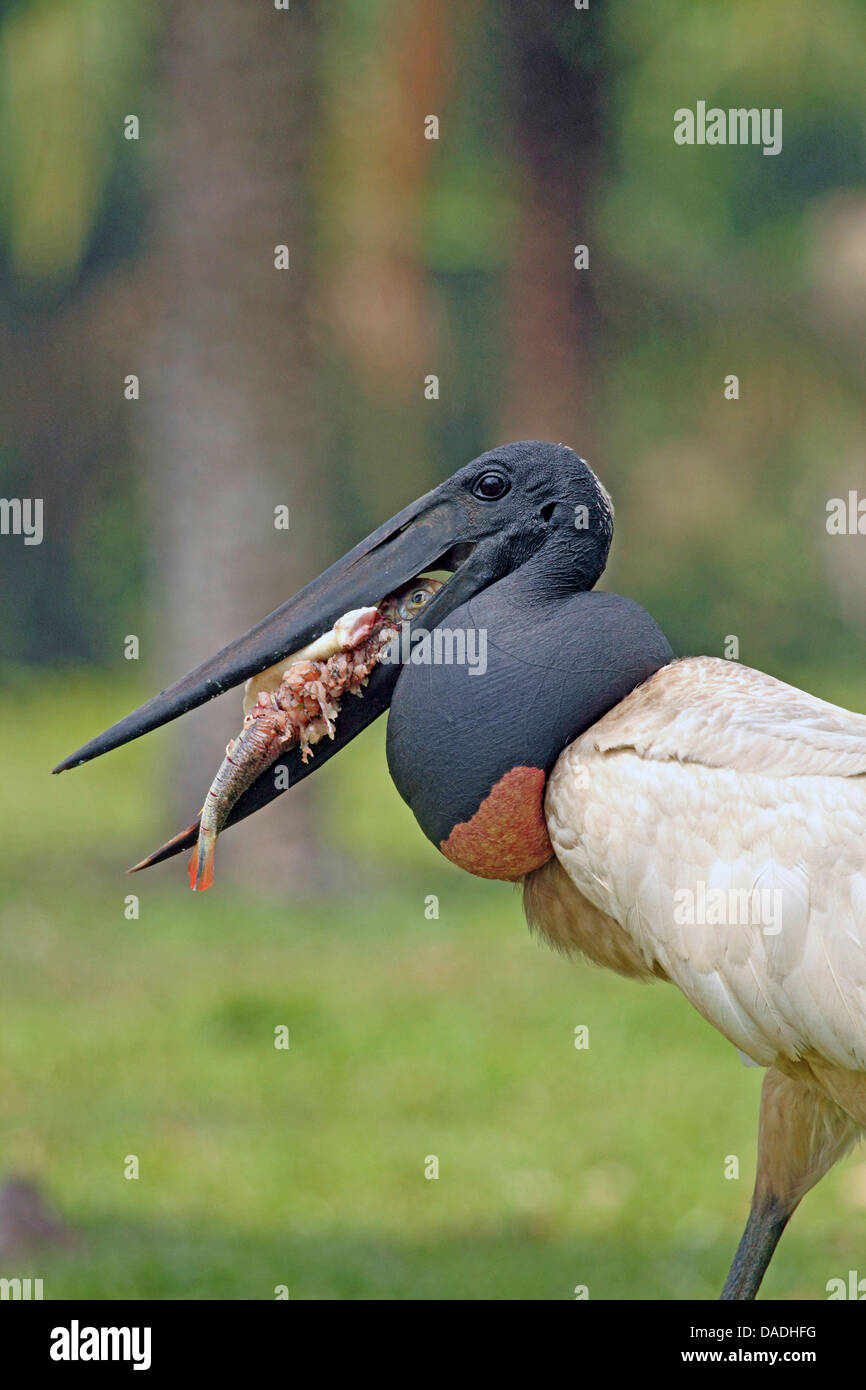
(298, 701)
(482, 522)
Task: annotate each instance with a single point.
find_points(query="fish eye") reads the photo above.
(491, 486)
(419, 596)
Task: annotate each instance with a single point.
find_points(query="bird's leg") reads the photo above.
(801, 1134)
(767, 1220)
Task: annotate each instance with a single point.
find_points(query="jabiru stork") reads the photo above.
(626, 790)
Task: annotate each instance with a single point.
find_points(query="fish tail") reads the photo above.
(201, 862)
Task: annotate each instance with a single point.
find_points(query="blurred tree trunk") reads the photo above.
(384, 310)
(234, 425)
(548, 323)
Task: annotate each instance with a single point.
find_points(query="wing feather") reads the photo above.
(722, 714)
(712, 783)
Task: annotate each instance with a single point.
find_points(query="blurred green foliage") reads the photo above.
(704, 262)
(720, 260)
(68, 69)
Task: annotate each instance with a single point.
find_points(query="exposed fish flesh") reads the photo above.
(297, 701)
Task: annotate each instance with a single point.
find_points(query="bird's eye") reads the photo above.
(490, 486)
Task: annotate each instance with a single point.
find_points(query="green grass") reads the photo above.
(409, 1038)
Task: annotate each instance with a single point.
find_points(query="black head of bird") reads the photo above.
(525, 532)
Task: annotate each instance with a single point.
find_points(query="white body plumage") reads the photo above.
(717, 787)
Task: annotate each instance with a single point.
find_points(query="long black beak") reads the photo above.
(437, 531)
(416, 539)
